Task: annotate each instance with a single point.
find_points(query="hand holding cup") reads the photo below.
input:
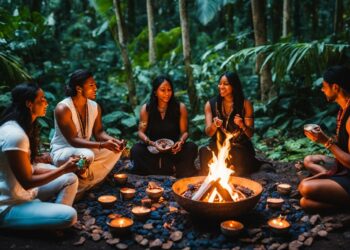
(315, 133)
(217, 122)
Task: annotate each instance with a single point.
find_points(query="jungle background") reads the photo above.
(279, 48)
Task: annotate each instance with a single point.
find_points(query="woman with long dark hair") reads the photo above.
(230, 114)
(21, 184)
(163, 117)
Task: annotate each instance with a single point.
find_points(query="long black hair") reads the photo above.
(237, 92)
(152, 105)
(77, 78)
(19, 112)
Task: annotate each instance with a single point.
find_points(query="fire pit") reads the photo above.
(227, 209)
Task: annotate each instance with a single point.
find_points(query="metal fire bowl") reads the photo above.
(216, 210)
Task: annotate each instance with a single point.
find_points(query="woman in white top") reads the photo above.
(77, 119)
(23, 189)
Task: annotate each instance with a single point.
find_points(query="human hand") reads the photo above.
(71, 164)
(238, 121)
(113, 145)
(316, 136)
(217, 122)
(177, 147)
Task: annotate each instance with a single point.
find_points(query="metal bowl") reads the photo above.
(216, 210)
(164, 145)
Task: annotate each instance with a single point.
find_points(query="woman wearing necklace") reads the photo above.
(230, 113)
(330, 175)
(77, 119)
(163, 117)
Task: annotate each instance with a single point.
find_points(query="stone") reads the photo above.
(96, 237)
(283, 246)
(322, 233)
(259, 247)
(274, 246)
(121, 246)
(294, 245)
(305, 218)
(167, 245)
(346, 235)
(308, 242)
(138, 238)
(267, 240)
(306, 234)
(113, 241)
(90, 222)
(327, 219)
(80, 241)
(97, 231)
(107, 235)
(314, 219)
(176, 236)
(148, 226)
(173, 209)
(144, 242)
(155, 243)
(345, 219)
(301, 238)
(254, 231)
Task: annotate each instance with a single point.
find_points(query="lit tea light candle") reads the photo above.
(231, 227)
(107, 201)
(120, 179)
(279, 224)
(275, 202)
(284, 188)
(140, 212)
(120, 225)
(127, 193)
(155, 193)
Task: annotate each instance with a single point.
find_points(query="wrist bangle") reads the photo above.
(329, 143)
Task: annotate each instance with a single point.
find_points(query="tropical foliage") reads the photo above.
(47, 40)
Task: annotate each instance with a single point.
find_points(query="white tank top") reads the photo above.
(59, 141)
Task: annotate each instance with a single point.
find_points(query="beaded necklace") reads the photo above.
(340, 116)
(83, 126)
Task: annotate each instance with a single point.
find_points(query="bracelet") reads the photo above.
(329, 143)
(146, 140)
(100, 145)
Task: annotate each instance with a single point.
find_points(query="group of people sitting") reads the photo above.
(29, 182)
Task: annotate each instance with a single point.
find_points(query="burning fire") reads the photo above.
(219, 174)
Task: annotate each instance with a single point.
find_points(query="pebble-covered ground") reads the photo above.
(171, 227)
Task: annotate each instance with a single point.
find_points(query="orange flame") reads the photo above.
(218, 169)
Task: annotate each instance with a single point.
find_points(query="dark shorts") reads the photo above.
(342, 180)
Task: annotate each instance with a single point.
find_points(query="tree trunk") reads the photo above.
(266, 88)
(338, 16)
(314, 18)
(123, 48)
(286, 17)
(275, 23)
(151, 34)
(229, 18)
(296, 18)
(186, 47)
(131, 17)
